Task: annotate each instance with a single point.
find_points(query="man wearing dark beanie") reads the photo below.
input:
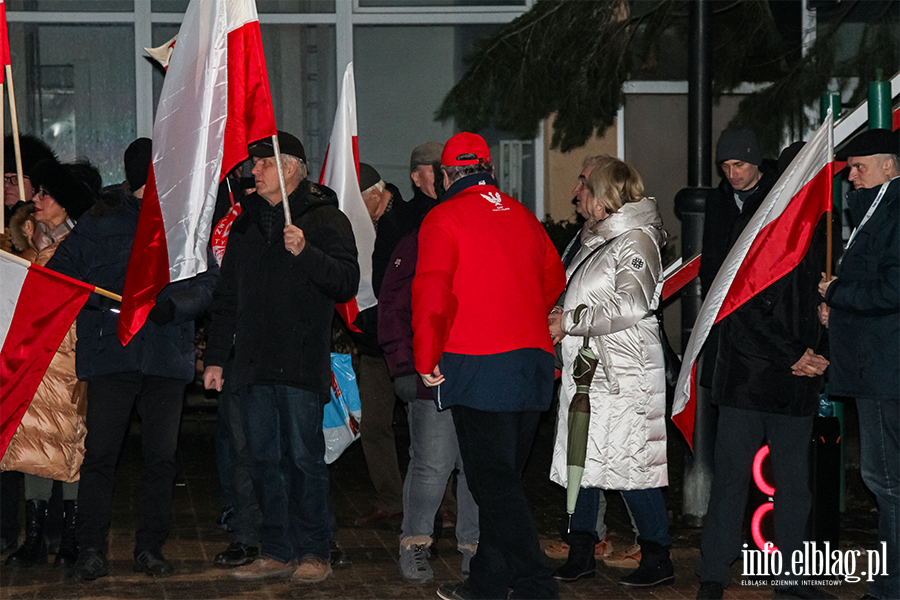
(148, 375)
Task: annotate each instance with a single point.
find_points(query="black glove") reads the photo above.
(162, 313)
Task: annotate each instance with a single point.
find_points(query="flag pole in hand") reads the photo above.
(284, 200)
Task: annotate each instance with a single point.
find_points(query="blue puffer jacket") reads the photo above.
(97, 252)
(864, 325)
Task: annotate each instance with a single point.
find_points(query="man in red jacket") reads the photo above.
(486, 278)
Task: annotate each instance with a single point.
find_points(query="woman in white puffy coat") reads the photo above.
(616, 276)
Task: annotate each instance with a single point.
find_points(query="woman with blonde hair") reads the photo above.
(610, 304)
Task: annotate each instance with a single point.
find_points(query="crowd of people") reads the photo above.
(476, 310)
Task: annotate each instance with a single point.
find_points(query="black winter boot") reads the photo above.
(581, 562)
(68, 546)
(34, 550)
(656, 567)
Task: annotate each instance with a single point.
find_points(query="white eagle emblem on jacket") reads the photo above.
(496, 200)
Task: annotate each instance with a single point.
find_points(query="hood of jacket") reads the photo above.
(643, 215)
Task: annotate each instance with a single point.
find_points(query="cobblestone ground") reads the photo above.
(196, 538)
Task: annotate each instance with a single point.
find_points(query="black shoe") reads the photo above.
(804, 592)
(656, 567)
(580, 562)
(67, 553)
(152, 563)
(33, 550)
(236, 555)
(91, 564)
(457, 590)
(339, 558)
(710, 590)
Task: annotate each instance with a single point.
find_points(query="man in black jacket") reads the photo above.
(864, 330)
(274, 306)
(148, 375)
(765, 379)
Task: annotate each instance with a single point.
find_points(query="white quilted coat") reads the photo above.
(627, 434)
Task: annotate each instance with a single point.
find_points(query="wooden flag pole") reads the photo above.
(97, 290)
(14, 121)
(284, 200)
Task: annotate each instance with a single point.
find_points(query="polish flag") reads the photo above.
(773, 243)
(37, 307)
(341, 173)
(215, 101)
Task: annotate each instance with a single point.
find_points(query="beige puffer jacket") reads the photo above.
(619, 284)
(49, 442)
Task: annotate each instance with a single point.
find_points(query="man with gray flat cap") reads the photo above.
(272, 309)
(864, 330)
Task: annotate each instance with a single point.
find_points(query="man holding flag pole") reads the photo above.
(768, 365)
(273, 310)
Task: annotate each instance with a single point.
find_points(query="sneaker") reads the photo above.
(312, 569)
(237, 554)
(710, 590)
(91, 565)
(629, 559)
(152, 563)
(559, 550)
(458, 590)
(414, 563)
(265, 568)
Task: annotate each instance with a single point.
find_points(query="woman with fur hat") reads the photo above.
(48, 445)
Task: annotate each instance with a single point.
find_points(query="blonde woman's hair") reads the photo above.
(614, 183)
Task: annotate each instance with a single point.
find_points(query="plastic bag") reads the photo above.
(340, 423)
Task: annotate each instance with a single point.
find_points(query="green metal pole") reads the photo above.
(879, 105)
(832, 100)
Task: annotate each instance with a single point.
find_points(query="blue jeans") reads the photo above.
(648, 509)
(879, 424)
(433, 454)
(283, 425)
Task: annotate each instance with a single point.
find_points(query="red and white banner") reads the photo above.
(37, 307)
(215, 101)
(341, 173)
(773, 243)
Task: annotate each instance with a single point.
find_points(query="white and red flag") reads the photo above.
(37, 307)
(774, 242)
(340, 172)
(214, 102)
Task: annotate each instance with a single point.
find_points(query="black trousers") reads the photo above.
(494, 447)
(158, 402)
(740, 435)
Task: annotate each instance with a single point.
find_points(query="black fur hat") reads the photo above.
(34, 150)
(74, 186)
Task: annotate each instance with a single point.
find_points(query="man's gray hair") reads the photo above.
(302, 171)
(893, 157)
(457, 172)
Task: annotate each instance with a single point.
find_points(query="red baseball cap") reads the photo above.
(465, 149)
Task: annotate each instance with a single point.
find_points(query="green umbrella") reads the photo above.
(583, 369)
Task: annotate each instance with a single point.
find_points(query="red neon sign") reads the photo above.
(763, 509)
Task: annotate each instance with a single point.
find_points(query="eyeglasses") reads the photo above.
(13, 179)
(40, 193)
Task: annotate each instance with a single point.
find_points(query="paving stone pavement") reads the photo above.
(196, 538)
